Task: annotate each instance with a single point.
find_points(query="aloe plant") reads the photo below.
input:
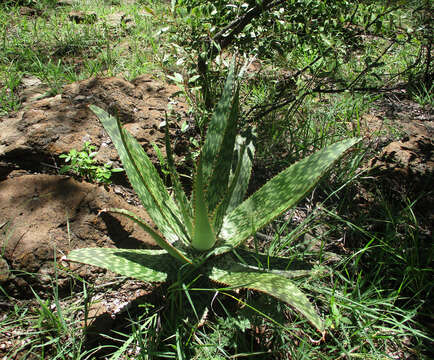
(203, 231)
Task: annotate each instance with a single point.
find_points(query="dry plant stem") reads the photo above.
(239, 24)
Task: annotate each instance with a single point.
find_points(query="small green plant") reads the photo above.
(9, 100)
(423, 95)
(83, 164)
(202, 232)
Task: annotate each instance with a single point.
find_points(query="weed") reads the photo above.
(83, 164)
(423, 95)
(9, 100)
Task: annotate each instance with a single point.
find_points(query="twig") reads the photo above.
(370, 66)
(236, 26)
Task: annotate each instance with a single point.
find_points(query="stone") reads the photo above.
(48, 127)
(4, 270)
(32, 90)
(65, 2)
(411, 158)
(81, 17)
(120, 18)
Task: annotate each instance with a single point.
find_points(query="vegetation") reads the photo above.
(83, 164)
(215, 220)
(357, 245)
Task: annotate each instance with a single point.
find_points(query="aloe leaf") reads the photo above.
(149, 176)
(217, 127)
(228, 272)
(203, 234)
(279, 194)
(181, 198)
(221, 210)
(176, 253)
(145, 265)
(284, 266)
(245, 152)
(144, 178)
(218, 183)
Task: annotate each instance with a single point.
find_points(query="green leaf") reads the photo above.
(148, 10)
(203, 234)
(284, 266)
(218, 183)
(145, 179)
(145, 265)
(244, 153)
(177, 78)
(279, 194)
(237, 275)
(176, 253)
(217, 127)
(235, 188)
(180, 196)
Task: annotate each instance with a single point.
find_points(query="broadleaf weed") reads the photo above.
(82, 163)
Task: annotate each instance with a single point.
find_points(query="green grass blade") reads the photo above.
(145, 265)
(176, 253)
(279, 194)
(144, 178)
(236, 275)
(217, 127)
(203, 235)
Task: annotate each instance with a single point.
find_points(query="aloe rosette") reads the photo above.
(202, 231)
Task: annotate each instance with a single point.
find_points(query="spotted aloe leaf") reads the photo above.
(163, 243)
(180, 196)
(244, 152)
(279, 194)
(238, 179)
(145, 179)
(235, 275)
(218, 182)
(221, 132)
(145, 265)
(284, 266)
(203, 234)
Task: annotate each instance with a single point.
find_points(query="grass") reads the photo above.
(41, 328)
(423, 95)
(58, 50)
(372, 244)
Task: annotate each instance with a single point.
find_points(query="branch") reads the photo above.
(327, 50)
(236, 26)
(277, 105)
(371, 89)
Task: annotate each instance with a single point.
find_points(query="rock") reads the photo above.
(27, 11)
(4, 270)
(411, 158)
(120, 19)
(65, 2)
(81, 17)
(33, 90)
(50, 215)
(55, 125)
